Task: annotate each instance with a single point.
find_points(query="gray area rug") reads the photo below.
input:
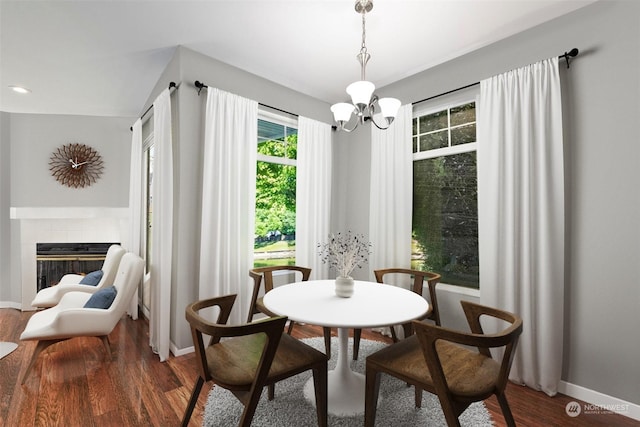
(290, 409)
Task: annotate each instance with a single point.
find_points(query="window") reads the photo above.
(275, 231)
(445, 206)
(148, 156)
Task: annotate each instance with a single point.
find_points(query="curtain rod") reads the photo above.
(198, 84)
(571, 54)
(172, 85)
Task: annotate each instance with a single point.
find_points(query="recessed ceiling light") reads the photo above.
(19, 89)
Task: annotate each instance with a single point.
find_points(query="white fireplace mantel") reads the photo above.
(63, 225)
(67, 213)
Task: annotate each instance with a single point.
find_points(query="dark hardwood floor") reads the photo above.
(72, 385)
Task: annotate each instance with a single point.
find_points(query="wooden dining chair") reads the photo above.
(435, 360)
(419, 277)
(263, 281)
(250, 357)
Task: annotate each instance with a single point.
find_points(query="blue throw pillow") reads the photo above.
(103, 298)
(92, 278)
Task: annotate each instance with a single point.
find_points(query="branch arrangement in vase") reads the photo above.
(344, 252)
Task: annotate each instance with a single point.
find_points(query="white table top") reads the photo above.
(372, 304)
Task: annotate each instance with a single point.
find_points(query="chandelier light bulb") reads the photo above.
(342, 111)
(389, 107)
(360, 93)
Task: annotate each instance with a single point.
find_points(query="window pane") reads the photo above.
(275, 227)
(445, 218)
(433, 122)
(268, 130)
(292, 143)
(434, 140)
(463, 134)
(277, 140)
(275, 230)
(463, 114)
(415, 144)
(272, 147)
(291, 132)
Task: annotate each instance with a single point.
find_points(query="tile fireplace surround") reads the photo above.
(62, 225)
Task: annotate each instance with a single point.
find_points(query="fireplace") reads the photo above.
(62, 225)
(54, 260)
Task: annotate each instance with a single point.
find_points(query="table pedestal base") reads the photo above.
(345, 396)
(345, 388)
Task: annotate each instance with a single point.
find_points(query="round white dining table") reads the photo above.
(372, 305)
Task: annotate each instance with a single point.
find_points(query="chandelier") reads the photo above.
(363, 100)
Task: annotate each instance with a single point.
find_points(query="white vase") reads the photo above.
(344, 286)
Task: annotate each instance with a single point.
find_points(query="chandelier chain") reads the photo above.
(363, 56)
(363, 47)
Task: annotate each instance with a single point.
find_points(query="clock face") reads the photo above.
(76, 165)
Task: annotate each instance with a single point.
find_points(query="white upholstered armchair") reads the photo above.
(48, 297)
(69, 318)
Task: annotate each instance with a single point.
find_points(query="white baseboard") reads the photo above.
(180, 351)
(10, 304)
(600, 402)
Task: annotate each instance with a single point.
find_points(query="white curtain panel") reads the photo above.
(391, 194)
(162, 230)
(521, 213)
(228, 199)
(136, 180)
(313, 194)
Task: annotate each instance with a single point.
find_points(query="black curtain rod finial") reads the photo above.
(199, 85)
(571, 54)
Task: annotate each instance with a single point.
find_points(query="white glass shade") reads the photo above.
(389, 106)
(361, 92)
(342, 111)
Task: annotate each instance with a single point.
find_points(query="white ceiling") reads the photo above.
(103, 58)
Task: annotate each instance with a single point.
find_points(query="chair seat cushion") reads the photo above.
(93, 278)
(47, 297)
(235, 360)
(468, 372)
(103, 298)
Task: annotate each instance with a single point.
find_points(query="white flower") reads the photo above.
(345, 252)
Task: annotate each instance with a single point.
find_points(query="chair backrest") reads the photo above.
(127, 279)
(264, 275)
(110, 265)
(429, 335)
(271, 328)
(419, 277)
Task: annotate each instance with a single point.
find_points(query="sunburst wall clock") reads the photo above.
(76, 165)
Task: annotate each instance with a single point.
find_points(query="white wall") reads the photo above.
(601, 94)
(35, 136)
(7, 293)
(26, 143)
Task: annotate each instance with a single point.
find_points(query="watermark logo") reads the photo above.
(573, 409)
